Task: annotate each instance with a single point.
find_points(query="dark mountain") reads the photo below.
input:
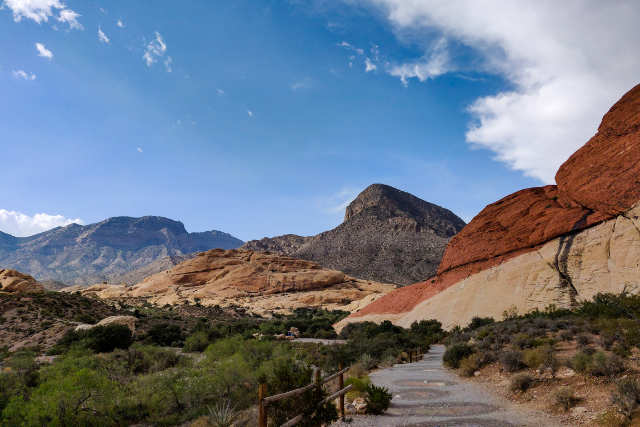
(387, 235)
(78, 254)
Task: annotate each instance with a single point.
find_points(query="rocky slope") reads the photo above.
(256, 281)
(78, 254)
(548, 245)
(14, 281)
(387, 235)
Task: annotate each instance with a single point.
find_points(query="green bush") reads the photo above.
(100, 339)
(626, 396)
(540, 356)
(455, 353)
(470, 364)
(165, 334)
(511, 360)
(566, 399)
(378, 399)
(521, 382)
(196, 342)
(604, 366)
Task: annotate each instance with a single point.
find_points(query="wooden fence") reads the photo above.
(264, 401)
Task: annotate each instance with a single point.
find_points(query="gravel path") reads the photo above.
(427, 394)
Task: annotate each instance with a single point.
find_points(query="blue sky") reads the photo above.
(260, 118)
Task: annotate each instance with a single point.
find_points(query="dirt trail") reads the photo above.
(427, 394)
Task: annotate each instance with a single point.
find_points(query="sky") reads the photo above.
(261, 118)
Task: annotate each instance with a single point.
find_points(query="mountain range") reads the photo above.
(107, 250)
(387, 235)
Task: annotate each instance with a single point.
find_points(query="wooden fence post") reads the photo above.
(262, 411)
(316, 376)
(340, 387)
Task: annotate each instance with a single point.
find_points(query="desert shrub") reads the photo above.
(100, 339)
(540, 356)
(620, 349)
(196, 342)
(511, 360)
(367, 362)
(565, 398)
(626, 396)
(603, 365)
(521, 382)
(581, 362)
(358, 384)
(470, 364)
(478, 322)
(611, 306)
(566, 335)
(455, 353)
(583, 340)
(141, 359)
(222, 414)
(378, 399)
(165, 334)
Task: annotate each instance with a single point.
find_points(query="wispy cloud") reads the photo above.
(41, 10)
(139, 149)
(305, 83)
(435, 63)
(349, 46)
(167, 64)
(120, 24)
(21, 74)
(220, 92)
(102, 36)
(20, 224)
(369, 65)
(249, 113)
(154, 50)
(43, 51)
(68, 16)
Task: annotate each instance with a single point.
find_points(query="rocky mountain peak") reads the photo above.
(404, 210)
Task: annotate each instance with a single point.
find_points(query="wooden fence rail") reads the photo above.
(264, 400)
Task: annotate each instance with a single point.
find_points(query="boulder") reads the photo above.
(128, 321)
(14, 281)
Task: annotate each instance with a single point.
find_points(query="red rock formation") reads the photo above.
(604, 175)
(597, 183)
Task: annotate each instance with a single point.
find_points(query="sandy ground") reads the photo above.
(427, 394)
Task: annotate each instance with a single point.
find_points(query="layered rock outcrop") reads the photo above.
(387, 235)
(556, 244)
(14, 281)
(258, 282)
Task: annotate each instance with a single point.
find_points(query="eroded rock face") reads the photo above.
(14, 281)
(260, 282)
(545, 245)
(387, 235)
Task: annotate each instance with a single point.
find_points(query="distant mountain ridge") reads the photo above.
(104, 251)
(388, 235)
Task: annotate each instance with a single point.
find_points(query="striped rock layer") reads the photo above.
(556, 244)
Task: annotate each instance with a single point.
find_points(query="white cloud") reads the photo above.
(369, 66)
(102, 36)
(349, 46)
(167, 64)
(41, 10)
(43, 51)
(154, 50)
(250, 113)
(433, 64)
(139, 149)
(70, 17)
(20, 225)
(566, 66)
(21, 74)
(305, 83)
(120, 24)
